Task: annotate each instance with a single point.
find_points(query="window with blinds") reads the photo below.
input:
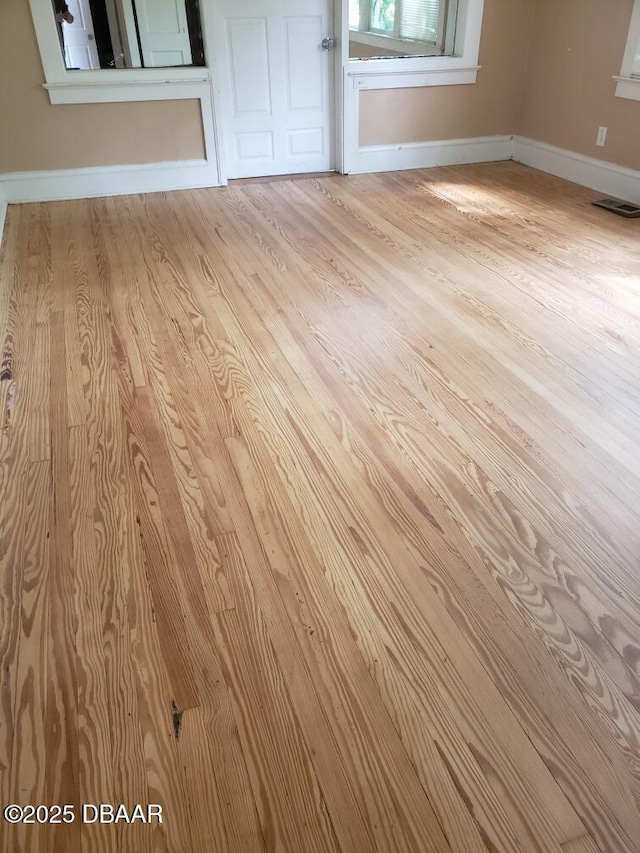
(406, 22)
(421, 20)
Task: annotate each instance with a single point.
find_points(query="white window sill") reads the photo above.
(409, 73)
(108, 86)
(628, 87)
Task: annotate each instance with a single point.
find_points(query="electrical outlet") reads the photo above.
(601, 139)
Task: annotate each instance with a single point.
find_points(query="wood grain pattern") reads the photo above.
(29, 736)
(319, 516)
(585, 844)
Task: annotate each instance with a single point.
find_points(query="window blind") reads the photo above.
(421, 20)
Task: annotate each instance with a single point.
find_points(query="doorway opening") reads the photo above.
(278, 74)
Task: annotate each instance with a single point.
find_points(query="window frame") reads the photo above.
(460, 66)
(383, 39)
(112, 84)
(628, 83)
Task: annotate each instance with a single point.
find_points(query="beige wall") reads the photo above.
(577, 47)
(490, 106)
(35, 135)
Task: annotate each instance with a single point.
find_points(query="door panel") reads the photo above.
(164, 33)
(80, 50)
(309, 141)
(276, 86)
(249, 66)
(303, 35)
(254, 146)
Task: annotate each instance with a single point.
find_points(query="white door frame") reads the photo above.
(131, 38)
(341, 25)
(209, 12)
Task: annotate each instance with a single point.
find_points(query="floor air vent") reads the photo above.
(622, 208)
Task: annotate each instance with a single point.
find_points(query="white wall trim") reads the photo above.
(465, 50)
(128, 90)
(413, 79)
(128, 84)
(600, 175)
(596, 174)
(68, 93)
(422, 155)
(107, 181)
(354, 84)
(100, 180)
(628, 87)
(57, 75)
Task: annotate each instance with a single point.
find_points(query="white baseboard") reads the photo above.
(422, 155)
(588, 171)
(107, 181)
(192, 174)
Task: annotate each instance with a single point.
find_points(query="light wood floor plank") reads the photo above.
(586, 844)
(296, 817)
(208, 735)
(94, 725)
(382, 770)
(13, 481)
(62, 748)
(471, 832)
(364, 595)
(319, 516)
(427, 395)
(111, 526)
(425, 301)
(29, 735)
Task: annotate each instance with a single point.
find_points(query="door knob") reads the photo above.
(328, 43)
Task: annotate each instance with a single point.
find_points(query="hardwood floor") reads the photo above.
(320, 517)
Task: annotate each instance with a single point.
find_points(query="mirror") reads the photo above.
(129, 33)
(399, 28)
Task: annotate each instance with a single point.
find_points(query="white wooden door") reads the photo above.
(275, 85)
(164, 33)
(80, 49)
